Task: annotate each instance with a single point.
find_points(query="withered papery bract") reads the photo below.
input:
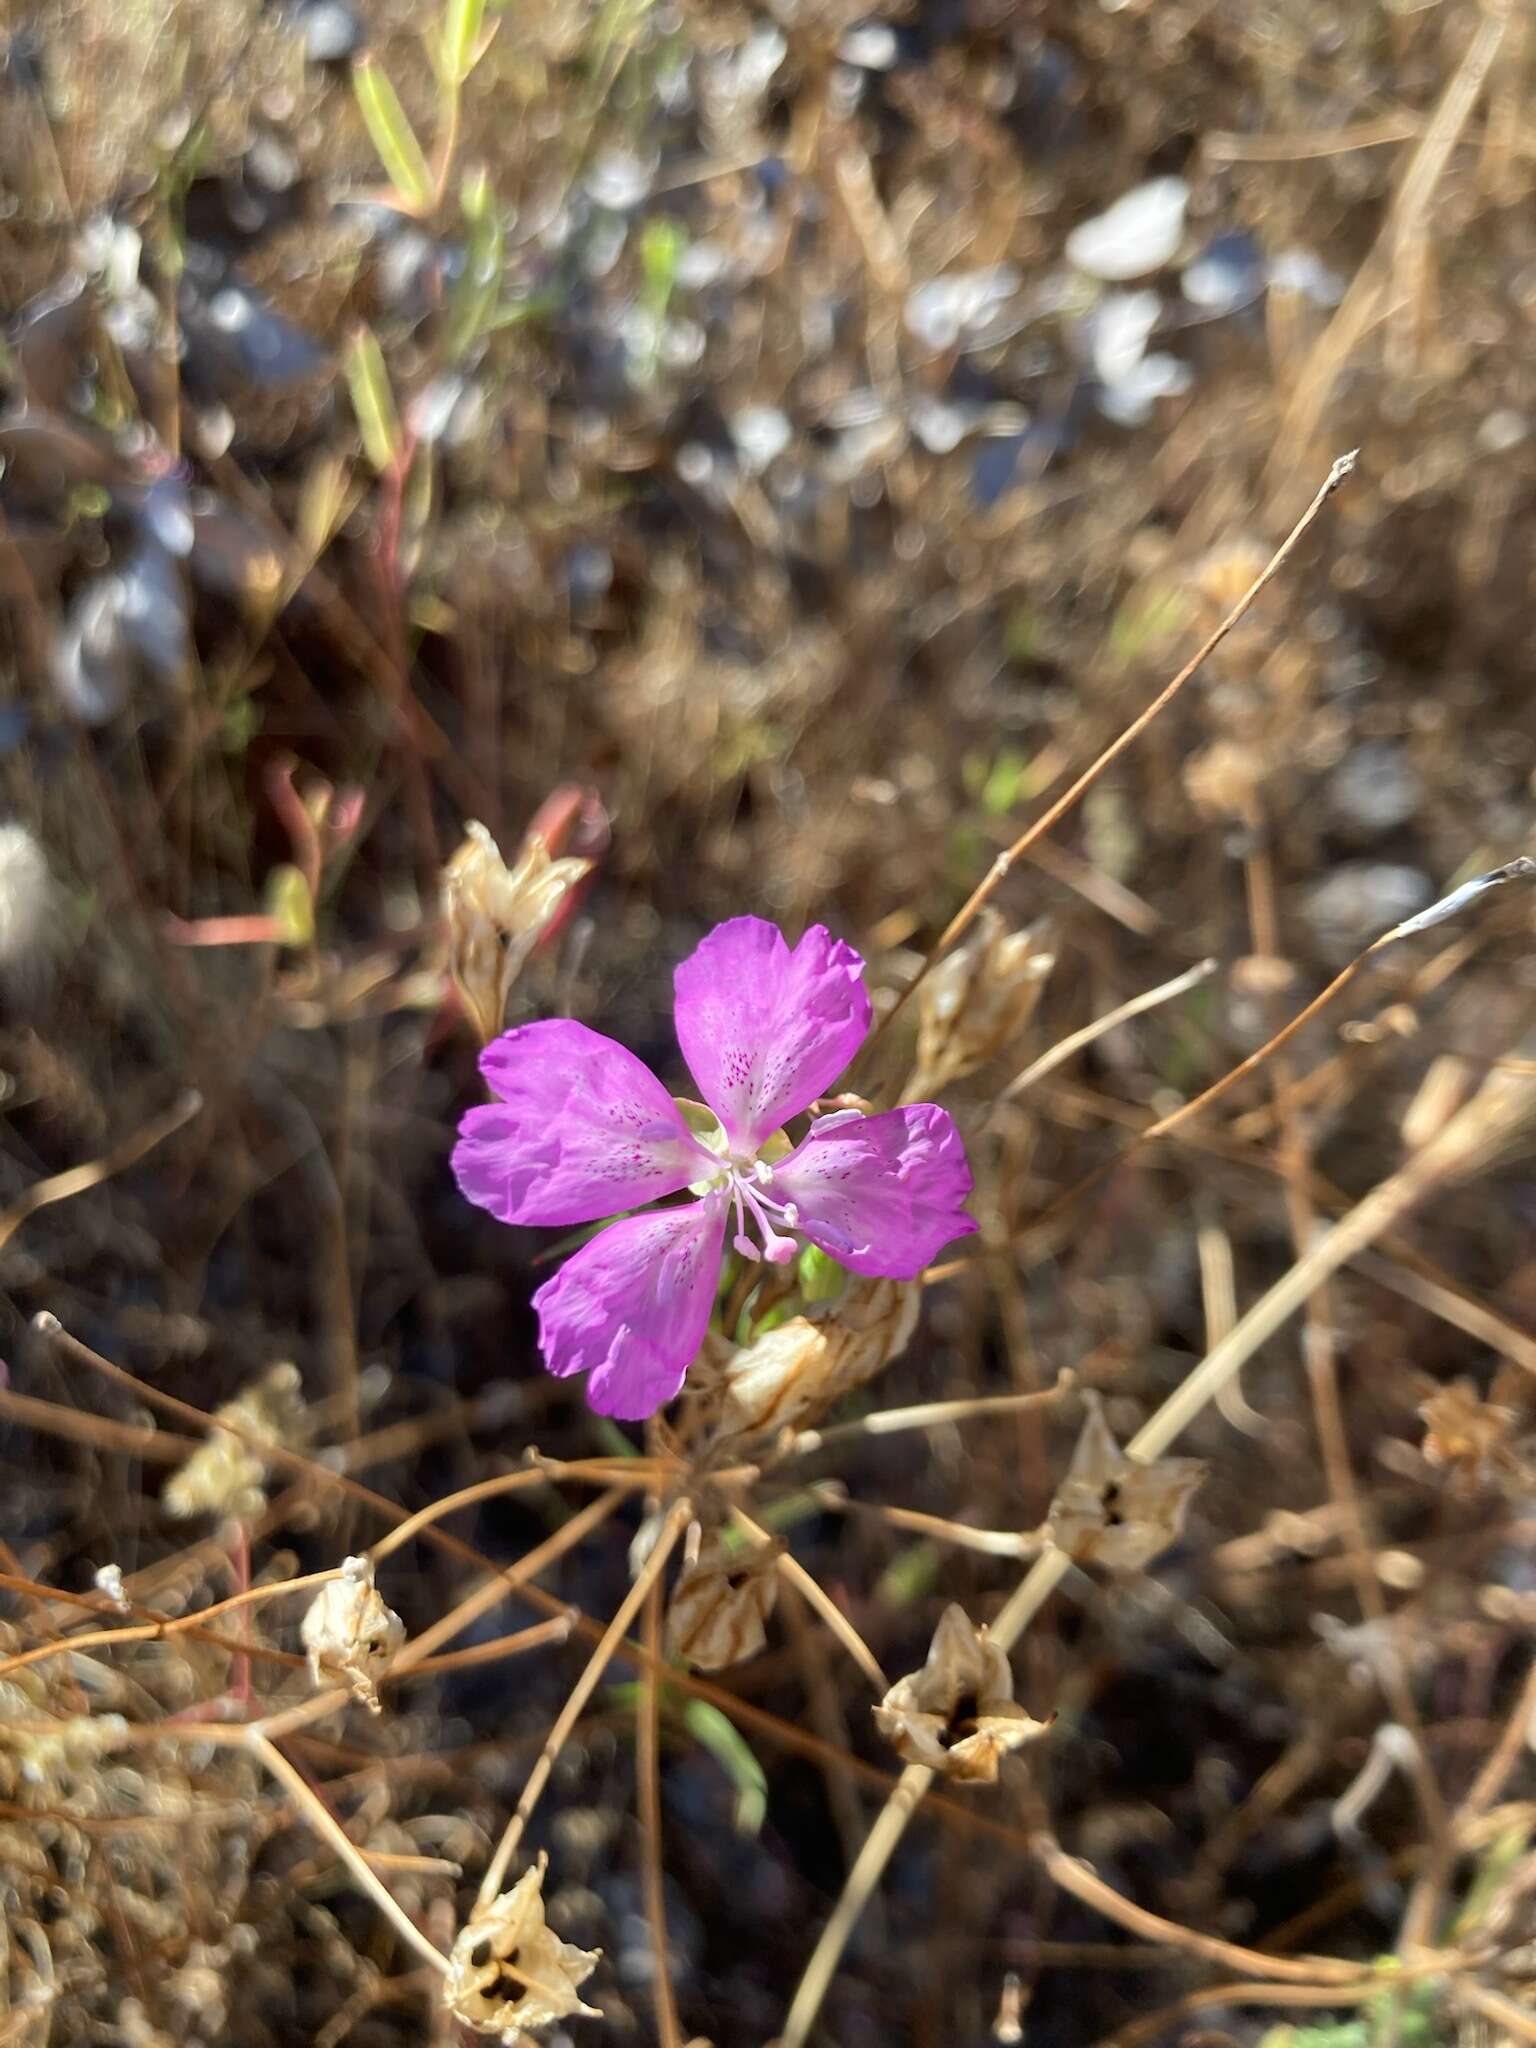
(976, 1001)
(1114, 1510)
(496, 915)
(719, 1608)
(509, 1973)
(958, 1714)
(350, 1634)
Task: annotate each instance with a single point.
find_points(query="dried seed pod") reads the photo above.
(958, 1714)
(718, 1612)
(791, 1375)
(226, 1475)
(1113, 1510)
(978, 998)
(1468, 1438)
(497, 915)
(507, 1973)
(351, 1634)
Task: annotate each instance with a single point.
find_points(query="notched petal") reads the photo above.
(632, 1306)
(582, 1129)
(882, 1194)
(958, 1715)
(764, 1028)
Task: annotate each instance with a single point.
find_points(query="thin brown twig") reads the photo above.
(59, 1187)
(1129, 734)
(648, 1765)
(581, 1692)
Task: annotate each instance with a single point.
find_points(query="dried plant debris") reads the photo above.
(1470, 1439)
(508, 1973)
(497, 915)
(977, 1001)
(718, 1612)
(958, 1714)
(227, 1475)
(1112, 1510)
(792, 1375)
(350, 1634)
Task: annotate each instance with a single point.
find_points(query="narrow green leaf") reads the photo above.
(373, 401)
(393, 136)
(707, 1725)
(288, 903)
(463, 21)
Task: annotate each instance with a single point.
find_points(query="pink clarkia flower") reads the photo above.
(582, 1129)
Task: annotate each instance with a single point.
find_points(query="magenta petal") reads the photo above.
(631, 1307)
(883, 1194)
(765, 1030)
(582, 1130)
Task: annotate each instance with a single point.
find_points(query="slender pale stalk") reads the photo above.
(575, 1706)
(325, 1823)
(1459, 1148)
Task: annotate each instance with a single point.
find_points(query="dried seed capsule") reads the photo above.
(507, 1973)
(958, 1714)
(351, 1634)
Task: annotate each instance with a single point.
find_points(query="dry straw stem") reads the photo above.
(78, 1179)
(1147, 1000)
(962, 918)
(648, 1764)
(1460, 1148)
(326, 1824)
(1370, 297)
(648, 1575)
(1522, 869)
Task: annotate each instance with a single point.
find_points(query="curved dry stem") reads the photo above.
(581, 1692)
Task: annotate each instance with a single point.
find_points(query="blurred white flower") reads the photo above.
(1136, 236)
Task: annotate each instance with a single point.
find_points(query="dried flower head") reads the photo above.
(792, 1375)
(1469, 1438)
(507, 1973)
(351, 1634)
(1113, 1510)
(978, 998)
(958, 1714)
(497, 915)
(226, 1475)
(719, 1608)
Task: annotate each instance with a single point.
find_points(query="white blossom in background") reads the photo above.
(1117, 332)
(948, 309)
(1137, 235)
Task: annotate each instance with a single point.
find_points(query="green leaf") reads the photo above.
(288, 903)
(662, 242)
(373, 401)
(393, 136)
(463, 23)
(725, 1743)
(819, 1275)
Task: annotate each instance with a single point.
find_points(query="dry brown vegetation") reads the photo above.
(727, 458)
